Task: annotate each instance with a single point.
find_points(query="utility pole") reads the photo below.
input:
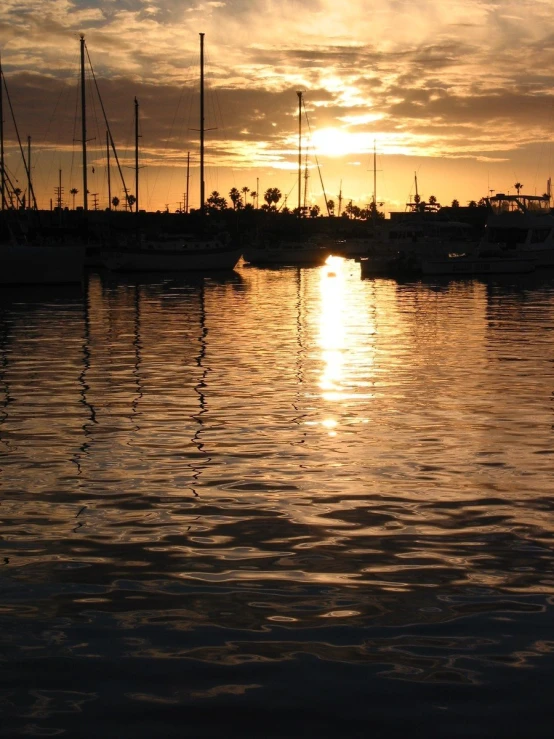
(59, 191)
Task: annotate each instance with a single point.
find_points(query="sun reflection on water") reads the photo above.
(332, 333)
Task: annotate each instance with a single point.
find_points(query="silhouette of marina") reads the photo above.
(57, 245)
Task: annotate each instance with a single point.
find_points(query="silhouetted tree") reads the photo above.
(234, 194)
(372, 211)
(455, 204)
(272, 196)
(216, 201)
(115, 202)
(331, 207)
(518, 186)
(74, 192)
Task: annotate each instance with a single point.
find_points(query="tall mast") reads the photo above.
(2, 171)
(374, 214)
(186, 208)
(29, 188)
(306, 177)
(299, 151)
(108, 170)
(202, 194)
(84, 125)
(136, 156)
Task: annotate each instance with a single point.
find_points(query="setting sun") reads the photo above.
(333, 142)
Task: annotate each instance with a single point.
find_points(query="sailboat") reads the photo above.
(24, 261)
(299, 250)
(144, 252)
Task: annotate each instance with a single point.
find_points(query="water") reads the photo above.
(279, 503)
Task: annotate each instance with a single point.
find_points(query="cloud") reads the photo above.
(469, 79)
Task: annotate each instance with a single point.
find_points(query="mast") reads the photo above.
(374, 214)
(202, 193)
(108, 170)
(136, 156)
(29, 188)
(2, 171)
(306, 177)
(84, 125)
(186, 208)
(299, 151)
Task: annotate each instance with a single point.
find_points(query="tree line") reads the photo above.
(240, 200)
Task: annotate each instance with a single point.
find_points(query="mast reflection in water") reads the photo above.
(277, 503)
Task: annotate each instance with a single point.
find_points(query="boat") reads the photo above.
(393, 264)
(407, 239)
(137, 251)
(521, 225)
(28, 264)
(479, 264)
(173, 253)
(311, 251)
(27, 259)
(296, 248)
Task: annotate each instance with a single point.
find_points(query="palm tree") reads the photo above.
(272, 196)
(234, 194)
(245, 190)
(74, 192)
(115, 202)
(253, 195)
(518, 186)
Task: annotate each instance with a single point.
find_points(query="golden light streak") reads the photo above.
(332, 334)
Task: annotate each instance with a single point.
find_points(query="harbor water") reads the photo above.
(277, 503)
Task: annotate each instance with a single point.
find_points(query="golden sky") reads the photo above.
(459, 92)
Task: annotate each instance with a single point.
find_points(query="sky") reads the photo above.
(459, 93)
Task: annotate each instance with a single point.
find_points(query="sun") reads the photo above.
(333, 142)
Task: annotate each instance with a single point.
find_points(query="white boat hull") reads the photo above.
(23, 264)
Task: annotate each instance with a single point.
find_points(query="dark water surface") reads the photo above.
(278, 503)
